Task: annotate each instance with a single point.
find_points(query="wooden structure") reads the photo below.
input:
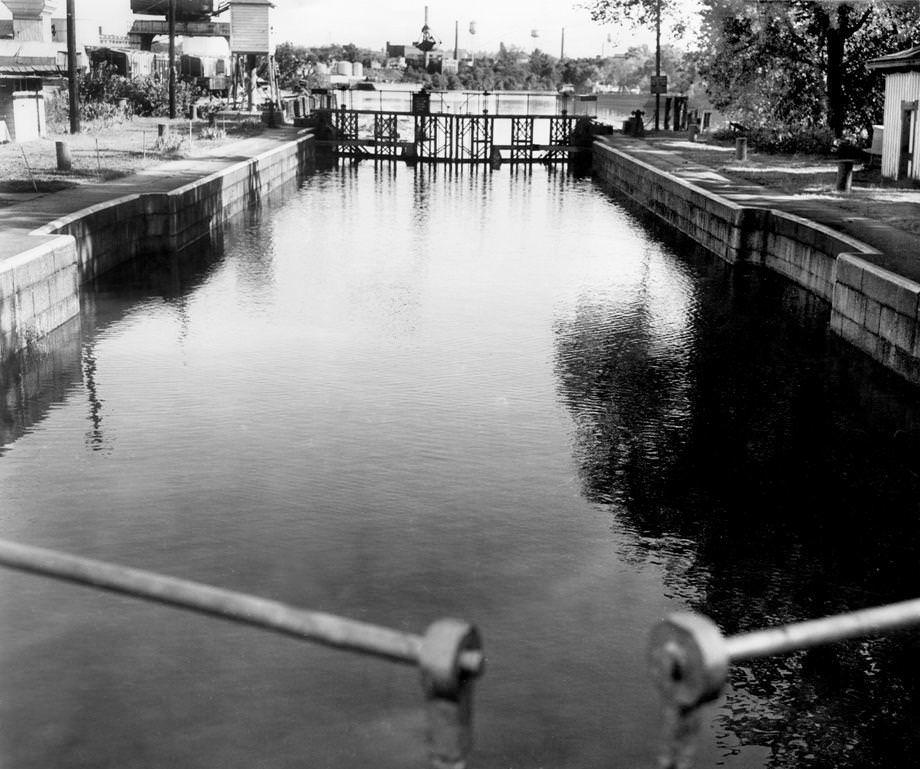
(144, 30)
(251, 36)
(447, 138)
(250, 27)
(900, 159)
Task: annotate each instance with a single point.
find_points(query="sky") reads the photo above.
(369, 24)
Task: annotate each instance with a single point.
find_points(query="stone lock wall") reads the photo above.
(874, 309)
(40, 282)
(878, 312)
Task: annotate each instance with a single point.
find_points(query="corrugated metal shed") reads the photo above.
(901, 140)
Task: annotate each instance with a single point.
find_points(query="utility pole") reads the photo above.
(657, 61)
(74, 100)
(456, 40)
(172, 59)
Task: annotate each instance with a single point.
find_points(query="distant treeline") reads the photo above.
(511, 68)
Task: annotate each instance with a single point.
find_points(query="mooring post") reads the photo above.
(495, 158)
(844, 175)
(688, 657)
(62, 150)
(741, 148)
(448, 691)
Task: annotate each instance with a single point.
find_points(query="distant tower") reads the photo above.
(428, 41)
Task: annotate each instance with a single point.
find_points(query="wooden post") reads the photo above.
(657, 60)
(251, 73)
(72, 85)
(172, 59)
(273, 79)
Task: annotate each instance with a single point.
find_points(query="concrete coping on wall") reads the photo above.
(848, 242)
(12, 253)
(689, 186)
(52, 227)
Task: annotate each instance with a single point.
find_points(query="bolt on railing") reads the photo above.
(690, 658)
(449, 655)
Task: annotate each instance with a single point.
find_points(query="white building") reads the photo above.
(900, 159)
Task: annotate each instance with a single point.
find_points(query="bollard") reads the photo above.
(844, 175)
(448, 691)
(741, 148)
(495, 159)
(688, 658)
(410, 154)
(62, 150)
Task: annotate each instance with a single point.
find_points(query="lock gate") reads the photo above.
(446, 138)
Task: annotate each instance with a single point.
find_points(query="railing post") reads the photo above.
(448, 692)
(689, 659)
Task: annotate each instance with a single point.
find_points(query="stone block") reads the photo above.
(873, 316)
(891, 290)
(850, 270)
(896, 328)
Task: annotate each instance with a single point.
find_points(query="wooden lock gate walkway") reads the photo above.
(446, 138)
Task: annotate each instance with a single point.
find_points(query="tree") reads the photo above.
(801, 62)
(639, 12)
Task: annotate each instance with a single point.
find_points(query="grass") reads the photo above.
(105, 151)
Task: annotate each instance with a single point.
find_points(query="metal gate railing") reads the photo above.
(449, 655)
(690, 659)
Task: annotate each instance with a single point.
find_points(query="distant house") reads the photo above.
(902, 94)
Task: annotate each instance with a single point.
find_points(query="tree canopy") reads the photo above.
(801, 62)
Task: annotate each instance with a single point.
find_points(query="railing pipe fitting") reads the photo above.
(448, 691)
(689, 659)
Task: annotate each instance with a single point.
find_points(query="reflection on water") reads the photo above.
(771, 490)
(406, 394)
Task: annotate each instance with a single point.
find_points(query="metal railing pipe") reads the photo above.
(816, 632)
(318, 627)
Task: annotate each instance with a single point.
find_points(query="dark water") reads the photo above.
(401, 395)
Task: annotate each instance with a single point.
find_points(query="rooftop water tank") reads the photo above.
(343, 68)
(357, 69)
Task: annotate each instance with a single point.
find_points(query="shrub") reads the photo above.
(103, 88)
(786, 140)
